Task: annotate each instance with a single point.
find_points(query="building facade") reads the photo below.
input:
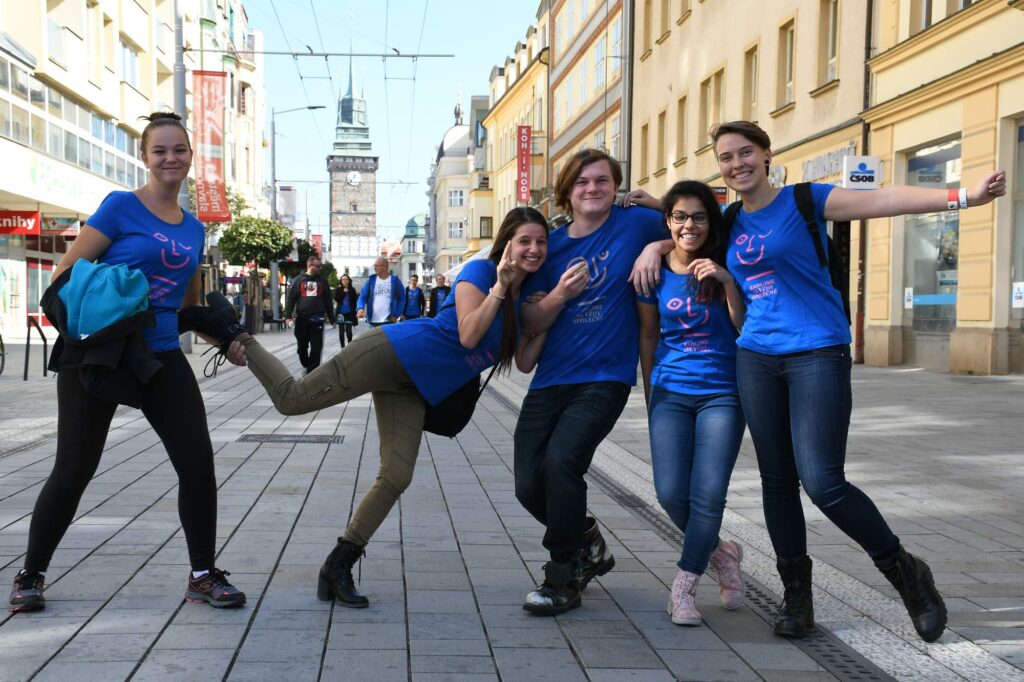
(353, 171)
(796, 67)
(414, 244)
(946, 290)
(480, 214)
(589, 101)
(449, 187)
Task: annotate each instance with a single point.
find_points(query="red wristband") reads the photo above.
(952, 199)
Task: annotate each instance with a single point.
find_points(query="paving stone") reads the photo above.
(783, 656)
(725, 666)
(121, 647)
(616, 652)
(358, 636)
(197, 665)
(627, 675)
(365, 664)
(557, 665)
(85, 671)
(461, 665)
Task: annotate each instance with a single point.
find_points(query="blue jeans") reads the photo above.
(694, 443)
(558, 431)
(798, 410)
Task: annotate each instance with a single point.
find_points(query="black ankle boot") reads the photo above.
(796, 616)
(597, 560)
(336, 576)
(217, 320)
(560, 591)
(913, 580)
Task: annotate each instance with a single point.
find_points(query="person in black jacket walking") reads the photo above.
(347, 298)
(438, 295)
(310, 300)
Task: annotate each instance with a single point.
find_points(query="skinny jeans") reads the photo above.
(173, 406)
(558, 431)
(694, 443)
(798, 410)
(366, 365)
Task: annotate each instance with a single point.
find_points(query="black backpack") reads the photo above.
(451, 415)
(838, 270)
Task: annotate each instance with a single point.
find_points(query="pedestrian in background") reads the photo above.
(148, 232)
(415, 302)
(793, 367)
(407, 367)
(382, 300)
(688, 361)
(346, 297)
(438, 295)
(586, 367)
(309, 298)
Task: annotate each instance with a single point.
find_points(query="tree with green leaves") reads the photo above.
(236, 204)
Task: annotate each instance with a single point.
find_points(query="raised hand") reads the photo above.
(705, 267)
(573, 281)
(638, 197)
(988, 188)
(507, 268)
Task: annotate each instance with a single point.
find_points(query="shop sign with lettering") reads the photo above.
(19, 222)
(829, 163)
(861, 172)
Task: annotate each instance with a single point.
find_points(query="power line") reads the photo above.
(387, 104)
(295, 61)
(394, 54)
(327, 64)
(412, 106)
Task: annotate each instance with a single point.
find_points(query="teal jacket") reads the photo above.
(99, 295)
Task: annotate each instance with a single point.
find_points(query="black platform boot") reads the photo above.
(560, 591)
(336, 576)
(796, 616)
(597, 560)
(913, 580)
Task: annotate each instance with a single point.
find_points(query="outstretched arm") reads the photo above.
(852, 204)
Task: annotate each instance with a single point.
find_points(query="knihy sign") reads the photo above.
(861, 172)
(19, 222)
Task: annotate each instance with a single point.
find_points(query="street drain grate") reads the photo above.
(826, 650)
(287, 438)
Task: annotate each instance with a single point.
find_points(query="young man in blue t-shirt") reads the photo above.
(586, 368)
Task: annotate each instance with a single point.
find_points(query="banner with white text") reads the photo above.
(208, 126)
(523, 147)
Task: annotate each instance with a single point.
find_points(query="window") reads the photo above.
(599, 139)
(55, 144)
(1017, 262)
(787, 44)
(456, 230)
(645, 138)
(599, 64)
(681, 128)
(920, 15)
(828, 41)
(456, 198)
(454, 260)
(5, 75)
(615, 53)
(19, 124)
(83, 153)
(954, 6)
(559, 33)
(129, 65)
(486, 227)
(36, 93)
(5, 118)
(54, 98)
(665, 17)
(97, 159)
(750, 84)
(70, 147)
(19, 81)
(584, 93)
(647, 26)
(38, 136)
(933, 242)
(711, 99)
(660, 157)
(568, 98)
(613, 149)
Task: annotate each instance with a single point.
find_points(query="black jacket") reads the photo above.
(310, 299)
(114, 363)
(353, 302)
(433, 298)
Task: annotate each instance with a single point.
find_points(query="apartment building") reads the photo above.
(448, 191)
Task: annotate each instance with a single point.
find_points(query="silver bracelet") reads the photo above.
(490, 292)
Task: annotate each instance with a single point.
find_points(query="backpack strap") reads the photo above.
(729, 217)
(484, 385)
(805, 204)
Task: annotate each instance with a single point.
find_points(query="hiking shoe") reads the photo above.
(27, 593)
(725, 564)
(912, 578)
(560, 591)
(681, 603)
(597, 560)
(214, 589)
(217, 320)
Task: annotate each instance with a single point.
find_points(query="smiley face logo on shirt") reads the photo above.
(751, 248)
(689, 319)
(176, 260)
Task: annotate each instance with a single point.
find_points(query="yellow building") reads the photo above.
(587, 106)
(947, 106)
(796, 67)
(518, 94)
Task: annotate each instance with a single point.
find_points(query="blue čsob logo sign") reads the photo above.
(862, 173)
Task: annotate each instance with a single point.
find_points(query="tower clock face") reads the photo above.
(353, 178)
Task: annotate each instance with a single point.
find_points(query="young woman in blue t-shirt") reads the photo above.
(408, 367)
(793, 368)
(147, 231)
(688, 359)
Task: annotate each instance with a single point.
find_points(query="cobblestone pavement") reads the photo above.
(447, 572)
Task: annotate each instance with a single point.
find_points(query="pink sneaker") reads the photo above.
(681, 605)
(725, 563)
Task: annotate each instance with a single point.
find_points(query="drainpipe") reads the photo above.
(626, 131)
(862, 244)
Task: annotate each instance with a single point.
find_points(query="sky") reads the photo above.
(410, 104)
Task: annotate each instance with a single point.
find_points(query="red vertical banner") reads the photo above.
(523, 148)
(208, 126)
(318, 244)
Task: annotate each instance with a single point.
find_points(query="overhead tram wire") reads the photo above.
(295, 61)
(327, 63)
(412, 106)
(387, 105)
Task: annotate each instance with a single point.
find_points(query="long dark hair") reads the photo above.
(514, 219)
(714, 246)
(341, 281)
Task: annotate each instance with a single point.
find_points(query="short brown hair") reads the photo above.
(751, 131)
(313, 258)
(572, 169)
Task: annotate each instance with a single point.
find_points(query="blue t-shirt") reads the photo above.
(442, 296)
(412, 302)
(595, 337)
(696, 352)
(429, 347)
(346, 304)
(791, 303)
(167, 254)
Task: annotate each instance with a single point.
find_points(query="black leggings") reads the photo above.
(174, 408)
(344, 330)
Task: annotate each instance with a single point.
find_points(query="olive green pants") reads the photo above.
(366, 365)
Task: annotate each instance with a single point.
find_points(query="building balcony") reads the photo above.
(164, 42)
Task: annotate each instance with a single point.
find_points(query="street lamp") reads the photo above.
(275, 294)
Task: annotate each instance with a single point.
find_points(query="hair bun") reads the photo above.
(162, 116)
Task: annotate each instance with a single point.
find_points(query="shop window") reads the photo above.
(1017, 265)
(933, 242)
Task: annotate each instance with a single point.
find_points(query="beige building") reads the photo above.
(75, 77)
(448, 190)
(796, 67)
(947, 106)
(480, 213)
(518, 92)
(587, 105)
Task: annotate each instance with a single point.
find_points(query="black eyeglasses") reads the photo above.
(680, 218)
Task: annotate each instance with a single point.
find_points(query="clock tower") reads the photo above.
(353, 170)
